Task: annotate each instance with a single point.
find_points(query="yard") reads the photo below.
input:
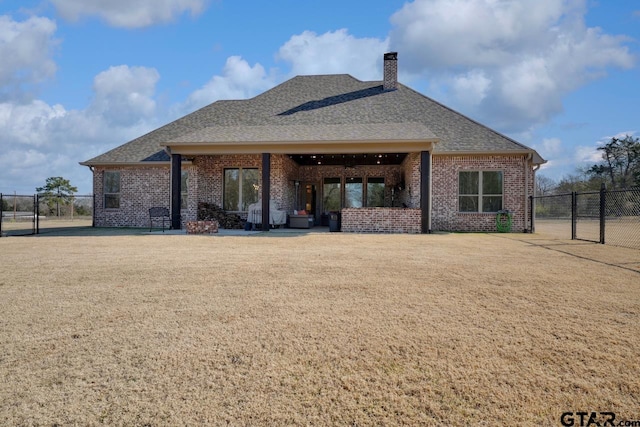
(318, 329)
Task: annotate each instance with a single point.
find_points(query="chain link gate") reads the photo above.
(18, 215)
(587, 216)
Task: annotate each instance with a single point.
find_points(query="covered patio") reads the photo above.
(378, 177)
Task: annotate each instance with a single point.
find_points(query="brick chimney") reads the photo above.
(390, 71)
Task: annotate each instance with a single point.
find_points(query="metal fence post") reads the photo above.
(574, 214)
(93, 212)
(37, 214)
(34, 222)
(603, 205)
(532, 216)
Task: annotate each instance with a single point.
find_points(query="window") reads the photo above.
(184, 189)
(375, 192)
(240, 189)
(480, 191)
(353, 193)
(331, 194)
(111, 190)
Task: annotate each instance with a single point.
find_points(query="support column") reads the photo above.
(176, 180)
(425, 190)
(266, 189)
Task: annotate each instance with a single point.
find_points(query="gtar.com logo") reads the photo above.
(585, 419)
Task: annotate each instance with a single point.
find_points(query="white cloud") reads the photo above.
(124, 95)
(518, 59)
(239, 80)
(25, 50)
(334, 52)
(551, 146)
(129, 13)
(584, 154)
(471, 88)
(27, 124)
(40, 140)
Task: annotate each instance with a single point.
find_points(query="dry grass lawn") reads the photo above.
(316, 329)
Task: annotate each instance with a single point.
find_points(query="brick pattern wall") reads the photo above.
(140, 189)
(381, 220)
(284, 173)
(210, 172)
(145, 187)
(390, 74)
(190, 211)
(410, 196)
(445, 215)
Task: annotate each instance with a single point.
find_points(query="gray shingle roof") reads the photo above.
(307, 108)
(320, 132)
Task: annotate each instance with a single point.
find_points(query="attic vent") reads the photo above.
(390, 71)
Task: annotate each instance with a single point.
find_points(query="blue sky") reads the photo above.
(79, 77)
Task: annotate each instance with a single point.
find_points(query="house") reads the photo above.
(388, 158)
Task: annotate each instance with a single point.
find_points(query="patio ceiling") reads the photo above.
(356, 159)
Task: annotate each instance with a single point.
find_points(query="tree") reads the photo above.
(620, 165)
(545, 185)
(57, 191)
(580, 182)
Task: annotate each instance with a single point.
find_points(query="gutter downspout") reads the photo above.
(535, 169)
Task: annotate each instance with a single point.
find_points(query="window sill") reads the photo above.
(477, 213)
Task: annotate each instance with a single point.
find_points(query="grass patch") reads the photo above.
(326, 329)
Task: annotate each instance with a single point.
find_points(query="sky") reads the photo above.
(80, 77)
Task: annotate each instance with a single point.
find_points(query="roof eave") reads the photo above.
(130, 164)
(298, 147)
(536, 159)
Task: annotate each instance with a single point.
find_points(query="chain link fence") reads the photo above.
(622, 218)
(35, 214)
(552, 215)
(605, 216)
(18, 216)
(64, 212)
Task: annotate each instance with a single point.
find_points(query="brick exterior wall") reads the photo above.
(284, 173)
(410, 195)
(145, 187)
(381, 220)
(445, 215)
(210, 171)
(140, 189)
